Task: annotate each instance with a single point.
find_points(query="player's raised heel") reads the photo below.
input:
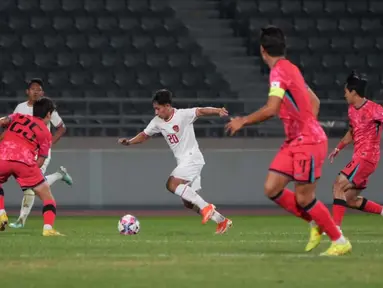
(3, 221)
(207, 212)
(224, 226)
(66, 176)
(338, 249)
(51, 232)
(315, 238)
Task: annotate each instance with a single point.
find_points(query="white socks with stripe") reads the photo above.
(188, 194)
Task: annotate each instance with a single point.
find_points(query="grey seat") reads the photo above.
(174, 26)
(374, 61)
(304, 25)
(354, 61)
(105, 79)
(32, 42)
(193, 79)
(98, 41)
(318, 44)
(28, 5)
(50, 5)
(88, 60)
(152, 26)
(293, 7)
(41, 23)
(134, 61)
(156, 61)
(371, 25)
(138, 7)
(170, 79)
(323, 79)
(63, 23)
(18, 23)
(349, 25)
(312, 7)
(107, 23)
(71, 5)
(166, 44)
(188, 45)
(77, 42)
(68, 60)
(327, 25)
(296, 44)
(379, 43)
(121, 42)
(129, 24)
(334, 62)
(58, 79)
(310, 61)
(85, 24)
(364, 44)
(9, 41)
(111, 60)
(125, 79)
(268, 7)
(335, 7)
(94, 6)
(115, 6)
(80, 78)
(375, 6)
(45, 60)
(286, 23)
(180, 61)
(341, 44)
(357, 7)
(143, 43)
(147, 79)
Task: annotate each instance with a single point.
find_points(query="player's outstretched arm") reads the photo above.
(140, 138)
(347, 139)
(209, 111)
(5, 121)
(266, 112)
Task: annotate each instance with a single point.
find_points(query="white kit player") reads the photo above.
(176, 125)
(35, 91)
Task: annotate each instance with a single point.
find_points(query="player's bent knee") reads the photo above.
(271, 189)
(43, 191)
(29, 192)
(173, 183)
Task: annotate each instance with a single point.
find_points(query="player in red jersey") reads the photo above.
(365, 118)
(26, 139)
(303, 153)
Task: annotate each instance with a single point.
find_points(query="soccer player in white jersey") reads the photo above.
(176, 125)
(35, 91)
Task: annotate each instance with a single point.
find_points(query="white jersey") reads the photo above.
(178, 132)
(24, 108)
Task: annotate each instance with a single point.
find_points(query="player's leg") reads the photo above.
(280, 174)
(25, 210)
(355, 201)
(32, 178)
(178, 183)
(5, 172)
(61, 174)
(340, 186)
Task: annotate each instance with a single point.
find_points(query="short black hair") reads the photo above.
(273, 41)
(42, 107)
(357, 82)
(163, 97)
(37, 81)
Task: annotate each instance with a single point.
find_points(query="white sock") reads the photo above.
(26, 205)
(313, 224)
(381, 213)
(47, 227)
(52, 178)
(341, 240)
(217, 217)
(2, 211)
(188, 194)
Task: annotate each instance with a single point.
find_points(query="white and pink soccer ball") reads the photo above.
(128, 225)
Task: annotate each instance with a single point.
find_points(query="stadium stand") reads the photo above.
(102, 59)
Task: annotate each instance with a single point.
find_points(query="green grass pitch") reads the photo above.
(260, 251)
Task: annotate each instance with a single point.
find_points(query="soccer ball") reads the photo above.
(128, 225)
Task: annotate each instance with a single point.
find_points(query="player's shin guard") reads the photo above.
(188, 194)
(338, 210)
(286, 199)
(320, 214)
(49, 213)
(27, 204)
(371, 207)
(1, 199)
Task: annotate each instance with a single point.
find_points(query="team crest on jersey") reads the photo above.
(176, 128)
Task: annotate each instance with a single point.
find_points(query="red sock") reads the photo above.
(1, 198)
(320, 214)
(286, 199)
(367, 206)
(338, 210)
(49, 212)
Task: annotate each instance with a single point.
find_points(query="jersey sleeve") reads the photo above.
(152, 128)
(17, 109)
(378, 113)
(189, 114)
(45, 142)
(278, 85)
(56, 120)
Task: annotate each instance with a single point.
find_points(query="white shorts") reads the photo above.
(45, 165)
(190, 172)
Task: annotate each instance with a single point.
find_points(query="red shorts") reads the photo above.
(27, 176)
(302, 163)
(358, 170)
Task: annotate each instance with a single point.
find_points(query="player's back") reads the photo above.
(366, 124)
(24, 136)
(296, 112)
